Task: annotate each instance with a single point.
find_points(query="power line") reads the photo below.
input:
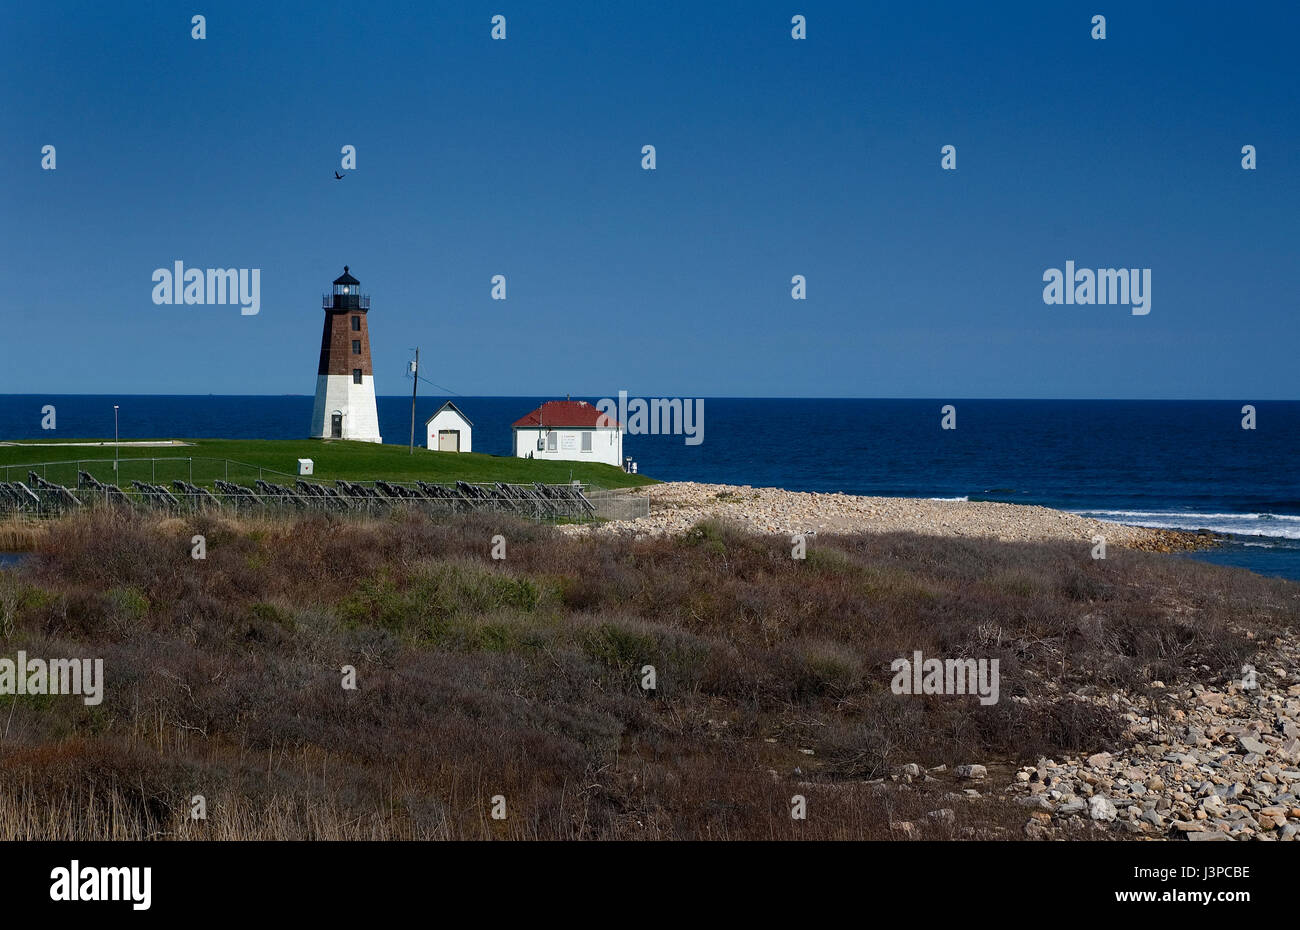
(434, 383)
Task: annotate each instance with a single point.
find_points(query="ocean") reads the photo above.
(1178, 464)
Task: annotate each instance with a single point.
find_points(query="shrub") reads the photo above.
(478, 677)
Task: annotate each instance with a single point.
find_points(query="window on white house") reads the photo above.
(586, 441)
(552, 440)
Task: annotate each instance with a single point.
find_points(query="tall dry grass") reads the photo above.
(17, 535)
(521, 678)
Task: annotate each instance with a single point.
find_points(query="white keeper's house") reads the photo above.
(569, 431)
(449, 430)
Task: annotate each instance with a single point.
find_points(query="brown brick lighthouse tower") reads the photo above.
(345, 380)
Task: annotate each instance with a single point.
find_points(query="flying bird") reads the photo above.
(337, 176)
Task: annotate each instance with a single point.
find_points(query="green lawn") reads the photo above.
(206, 460)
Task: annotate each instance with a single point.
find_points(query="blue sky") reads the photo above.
(775, 157)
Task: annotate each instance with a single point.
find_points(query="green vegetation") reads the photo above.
(239, 460)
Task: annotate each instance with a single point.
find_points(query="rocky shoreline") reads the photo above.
(1221, 763)
(675, 507)
(1209, 760)
(1200, 763)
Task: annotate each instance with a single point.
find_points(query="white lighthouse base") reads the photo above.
(355, 403)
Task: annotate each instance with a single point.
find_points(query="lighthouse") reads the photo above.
(345, 380)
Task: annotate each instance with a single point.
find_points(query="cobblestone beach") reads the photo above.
(1222, 763)
(1214, 761)
(676, 506)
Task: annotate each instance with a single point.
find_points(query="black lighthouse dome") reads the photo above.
(347, 293)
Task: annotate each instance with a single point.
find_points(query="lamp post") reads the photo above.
(115, 442)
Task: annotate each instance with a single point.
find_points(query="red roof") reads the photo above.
(566, 413)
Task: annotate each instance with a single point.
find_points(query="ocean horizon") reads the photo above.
(1159, 463)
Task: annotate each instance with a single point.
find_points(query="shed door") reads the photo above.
(448, 440)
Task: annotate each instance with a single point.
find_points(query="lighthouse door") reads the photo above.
(336, 426)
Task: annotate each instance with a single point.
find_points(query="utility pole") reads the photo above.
(415, 386)
(116, 442)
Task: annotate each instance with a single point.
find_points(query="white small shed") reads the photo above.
(448, 430)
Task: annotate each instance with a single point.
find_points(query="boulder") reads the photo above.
(1100, 808)
(1250, 744)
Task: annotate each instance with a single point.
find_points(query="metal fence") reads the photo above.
(122, 471)
(38, 496)
(623, 504)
